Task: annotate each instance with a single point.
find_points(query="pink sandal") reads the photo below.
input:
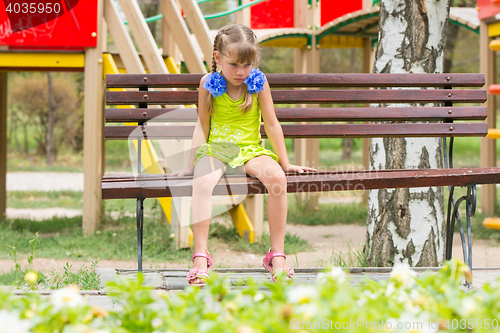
(266, 262)
(196, 273)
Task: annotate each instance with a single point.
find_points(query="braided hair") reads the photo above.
(241, 42)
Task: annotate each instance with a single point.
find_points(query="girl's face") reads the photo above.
(235, 73)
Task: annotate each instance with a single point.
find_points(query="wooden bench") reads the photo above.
(419, 120)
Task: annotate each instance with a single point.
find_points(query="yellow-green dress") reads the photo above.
(234, 137)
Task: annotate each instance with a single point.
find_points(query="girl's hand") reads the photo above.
(189, 171)
(297, 168)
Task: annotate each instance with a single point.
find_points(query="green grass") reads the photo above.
(53, 225)
(117, 160)
(116, 239)
(229, 235)
(62, 238)
(39, 199)
(70, 199)
(328, 214)
(353, 257)
(117, 156)
(10, 278)
(65, 162)
(86, 278)
(466, 152)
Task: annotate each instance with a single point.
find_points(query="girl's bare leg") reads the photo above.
(269, 172)
(207, 173)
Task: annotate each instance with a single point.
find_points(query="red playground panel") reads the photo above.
(48, 24)
(332, 9)
(486, 9)
(272, 14)
(280, 14)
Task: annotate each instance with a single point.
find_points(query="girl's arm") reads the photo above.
(274, 132)
(201, 131)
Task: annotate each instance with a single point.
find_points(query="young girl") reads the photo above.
(231, 104)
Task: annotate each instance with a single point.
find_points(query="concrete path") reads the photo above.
(44, 181)
(171, 281)
(175, 279)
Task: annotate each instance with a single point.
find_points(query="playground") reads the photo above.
(279, 27)
(66, 168)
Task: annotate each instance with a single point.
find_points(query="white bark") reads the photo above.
(408, 225)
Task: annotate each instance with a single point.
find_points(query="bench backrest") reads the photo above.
(352, 93)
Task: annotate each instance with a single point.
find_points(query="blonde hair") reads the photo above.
(241, 42)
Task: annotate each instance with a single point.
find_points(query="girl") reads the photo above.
(231, 104)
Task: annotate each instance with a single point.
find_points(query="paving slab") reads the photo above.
(103, 302)
(175, 278)
(173, 281)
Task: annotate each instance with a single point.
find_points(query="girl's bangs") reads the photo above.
(245, 52)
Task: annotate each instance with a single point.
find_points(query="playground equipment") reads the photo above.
(75, 38)
(490, 30)
(65, 40)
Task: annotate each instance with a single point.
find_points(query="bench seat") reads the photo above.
(155, 186)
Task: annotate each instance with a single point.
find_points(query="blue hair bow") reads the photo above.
(215, 84)
(255, 81)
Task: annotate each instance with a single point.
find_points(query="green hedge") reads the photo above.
(428, 303)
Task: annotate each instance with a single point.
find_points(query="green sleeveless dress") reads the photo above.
(234, 137)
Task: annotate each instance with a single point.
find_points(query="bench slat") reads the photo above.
(306, 80)
(312, 114)
(311, 96)
(314, 131)
(157, 186)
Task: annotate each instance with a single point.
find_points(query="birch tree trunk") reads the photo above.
(407, 225)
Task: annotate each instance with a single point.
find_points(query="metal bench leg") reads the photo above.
(450, 224)
(470, 209)
(140, 224)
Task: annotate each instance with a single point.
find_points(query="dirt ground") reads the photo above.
(327, 242)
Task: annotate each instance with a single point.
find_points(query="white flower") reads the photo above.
(336, 274)
(244, 329)
(390, 289)
(66, 297)
(361, 301)
(414, 294)
(468, 306)
(308, 310)
(10, 323)
(157, 322)
(369, 294)
(404, 275)
(302, 294)
(258, 297)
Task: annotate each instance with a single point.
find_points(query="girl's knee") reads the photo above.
(276, 184)
(205, 184)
